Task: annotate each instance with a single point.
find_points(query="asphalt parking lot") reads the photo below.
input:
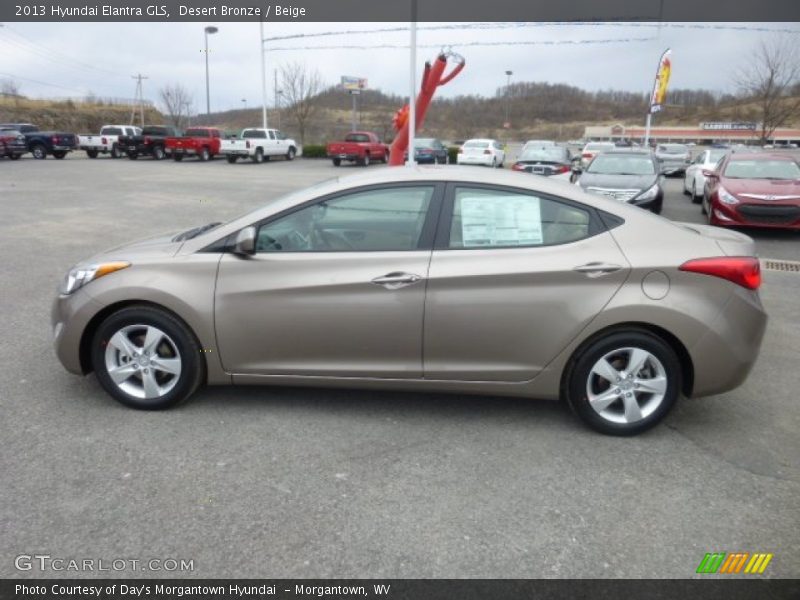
(271, 482)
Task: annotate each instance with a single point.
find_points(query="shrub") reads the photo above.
(315, 151)
(452, 153)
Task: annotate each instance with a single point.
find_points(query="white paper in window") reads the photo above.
(500, 221)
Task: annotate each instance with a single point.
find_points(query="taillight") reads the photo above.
(586, 155)
(103, 141)
(518, 167)
(147, 139)
(248, 144)
(561, 169)
(54, 139)
(741, 270)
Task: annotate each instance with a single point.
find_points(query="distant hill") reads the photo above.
(68, 115)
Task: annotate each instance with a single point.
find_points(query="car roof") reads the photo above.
(761, 156)
(629, 152)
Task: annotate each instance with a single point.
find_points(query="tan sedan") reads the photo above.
(454, 280)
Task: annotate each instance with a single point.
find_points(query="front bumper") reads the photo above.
(768, 216)
(69, 317)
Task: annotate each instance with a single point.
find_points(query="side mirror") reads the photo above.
(710, 174)
(245, 244)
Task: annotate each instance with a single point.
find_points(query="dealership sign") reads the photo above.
(354, 83)
(735, 126)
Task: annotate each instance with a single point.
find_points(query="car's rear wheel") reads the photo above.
(59, 154)
(337, 162)
(158, 153)
(697, 191)
(115, 152)
(365, 160)
(232, 158)
(177, 157)
(258, 157)
(624, 383)
(39, 152)
(92, 153)
(146, 358)
(205, 155)
(14, 156)
(133, 155)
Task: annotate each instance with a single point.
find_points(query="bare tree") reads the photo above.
(177, 102)
(301, 87)
(771, 80)
(9, 87)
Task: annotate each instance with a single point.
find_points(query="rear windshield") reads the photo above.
(617, 164)
(356, 137)
(547, 153)
(155, 131)
(476, 145)
(424, 142)
(762, 169)
(197, 133)
(594, 147)
(111, 131)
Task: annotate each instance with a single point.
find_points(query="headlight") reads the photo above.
(80, 276)
(726, 197)
(649, 193)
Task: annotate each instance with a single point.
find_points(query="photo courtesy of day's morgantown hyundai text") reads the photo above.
(456, 279)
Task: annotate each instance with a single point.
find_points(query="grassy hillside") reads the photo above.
(75, 117)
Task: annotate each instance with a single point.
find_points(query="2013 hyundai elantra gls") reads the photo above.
(455, 280)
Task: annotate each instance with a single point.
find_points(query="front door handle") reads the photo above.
(396, 280)
(597, 269)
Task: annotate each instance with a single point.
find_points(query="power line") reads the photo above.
(55, 85)
(465, 44)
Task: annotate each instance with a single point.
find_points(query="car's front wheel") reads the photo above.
(146, 358)
(624, 383)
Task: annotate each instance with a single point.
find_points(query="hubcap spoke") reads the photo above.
(151, 389)
(167, 365)
(122, 372)
(152, 339)
(601, 401)
(121, 342)
(637, 359)
(656, 385)
(604, 369)
(632, 411)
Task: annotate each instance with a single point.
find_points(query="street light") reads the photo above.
(508, 96)
(244, 103)
(210, 30)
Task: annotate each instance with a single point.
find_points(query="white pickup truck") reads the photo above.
(258, 145)
(105, 142)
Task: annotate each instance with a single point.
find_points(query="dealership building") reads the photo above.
(702, 133)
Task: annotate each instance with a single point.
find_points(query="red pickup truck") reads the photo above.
(360, 147)
(202, 142)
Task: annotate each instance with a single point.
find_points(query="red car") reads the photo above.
(757, 190)
(360, 147)
(202, 142)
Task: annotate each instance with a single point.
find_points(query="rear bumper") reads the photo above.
(346, 156)
(729, 348)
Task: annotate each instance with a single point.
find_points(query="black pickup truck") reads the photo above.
(42, 143)
(150, 142)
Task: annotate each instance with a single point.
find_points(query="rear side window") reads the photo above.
(357, 137)
(252, 133)
(111, 131)
(485, 218)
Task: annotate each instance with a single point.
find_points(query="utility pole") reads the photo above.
(412, 85)
(139, 97)
(275, 93)
(263, 75)
(210, 30)
(508, 98)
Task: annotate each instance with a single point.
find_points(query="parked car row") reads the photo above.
(21, 138)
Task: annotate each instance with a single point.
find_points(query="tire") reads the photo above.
(204, 155)
(291, 153)
(39, 152)
(158, 153)
(14, 156)
(177, 157)
(365, 160)
(703, 206)
(617, 408)
(696, 198)
(92, 153)
(494, 162)
(258, 157)
(115, 152)
(124, 332)
(133, 155)
(337, 162)
(59, 155)
(385, 157)
(232, 158)
(686, 191)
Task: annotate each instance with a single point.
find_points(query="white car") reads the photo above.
(105, 142)
(693, 180)
(592, 149)
(481, 152)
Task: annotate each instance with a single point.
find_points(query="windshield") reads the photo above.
(616, 164)
(595, 147)
(551, 153)
(424, 143)
(762, 169)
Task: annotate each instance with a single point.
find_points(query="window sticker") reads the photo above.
(500, 221)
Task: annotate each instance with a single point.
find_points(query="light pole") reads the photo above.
(210, 30)
(507, 123)
(244, 103)
(278, 102)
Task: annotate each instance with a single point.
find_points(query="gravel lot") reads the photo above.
(269, 482)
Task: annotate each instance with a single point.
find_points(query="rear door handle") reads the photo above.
(597, 269)
(396, 280)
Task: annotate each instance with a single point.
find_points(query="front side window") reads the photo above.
(500, 219)
(388, 219)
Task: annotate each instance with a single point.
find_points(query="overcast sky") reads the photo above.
(71, 59)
